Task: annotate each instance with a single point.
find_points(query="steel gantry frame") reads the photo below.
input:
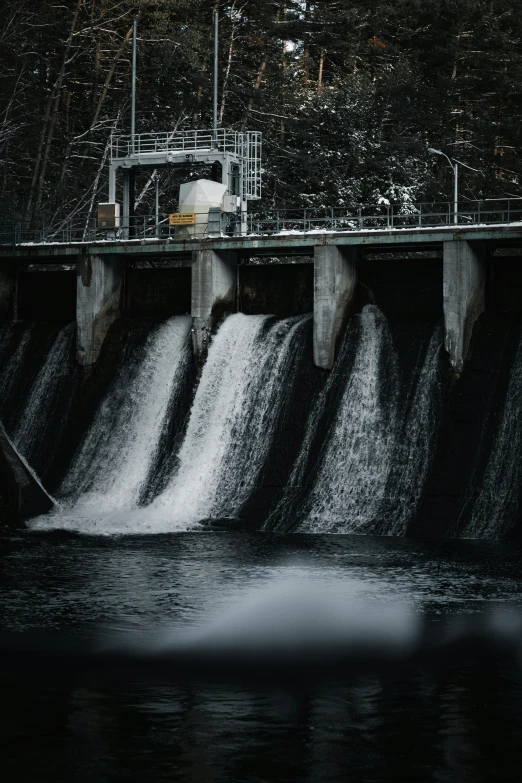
(238, 153)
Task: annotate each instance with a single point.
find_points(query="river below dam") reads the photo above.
(255, 570)
(435, 697)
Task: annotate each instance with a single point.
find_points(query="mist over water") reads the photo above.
(226, 657)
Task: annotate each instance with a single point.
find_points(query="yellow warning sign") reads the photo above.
(182, 219)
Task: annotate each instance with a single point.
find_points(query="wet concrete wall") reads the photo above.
(157, 293)
(276, 289)
(45, 295)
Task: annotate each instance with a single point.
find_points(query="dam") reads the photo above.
(359, 380)
(286, 274)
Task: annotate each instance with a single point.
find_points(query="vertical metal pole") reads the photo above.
(125, 206)
(456, 193)
(216, 50)
(157, 204)
(133, 95)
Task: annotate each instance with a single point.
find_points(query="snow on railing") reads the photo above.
(376, 217)
(188, 141)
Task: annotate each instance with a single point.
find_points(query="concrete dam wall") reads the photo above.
(371, 392)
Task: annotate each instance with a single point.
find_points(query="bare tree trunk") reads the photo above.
(282, 126)
(306, 47)
(109, 77)
(321, 69)
(258, 81)
(51, 110)
(257, 85)
(229, 66)
(199, 94)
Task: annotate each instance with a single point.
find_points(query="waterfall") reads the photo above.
(365, 453)
(46, 402)
(232, 422)
(13, 368)
(351, 480)
(6, 332)
(497, 506)
(375, 452)
(113, 462)
(230, 430)
(414, 442)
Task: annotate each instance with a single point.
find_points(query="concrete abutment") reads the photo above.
(214, 284)
(464, 284)
(98, 303)
(335, 279)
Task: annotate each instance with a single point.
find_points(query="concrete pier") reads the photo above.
(214, 278)
(335, 278)
(8, 292)
(98, 303)
(463, 295)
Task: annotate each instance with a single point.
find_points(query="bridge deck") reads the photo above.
(289, 242)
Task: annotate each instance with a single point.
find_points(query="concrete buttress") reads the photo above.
(463, 296)
(98, 302)
(335, 278)
(214, 277)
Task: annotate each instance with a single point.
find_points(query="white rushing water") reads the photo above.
(113, 462)
(232, 421)
(14, 366)
(39, 407)
(229, 433)
(497, 504)
(6, 332)
(352, 477)
(414, 443)
(375, 457)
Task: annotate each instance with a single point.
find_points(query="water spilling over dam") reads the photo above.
(161, 449)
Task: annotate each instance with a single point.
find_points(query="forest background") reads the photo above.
(349, 94)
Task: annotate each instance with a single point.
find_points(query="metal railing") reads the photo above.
(380, 217)
(361, 217)
(222, 139)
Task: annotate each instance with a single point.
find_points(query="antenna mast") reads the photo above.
(216, 45)
(133, 94)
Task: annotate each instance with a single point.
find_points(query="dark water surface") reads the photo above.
(454, 719)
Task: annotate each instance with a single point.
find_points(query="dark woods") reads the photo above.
(348, 94)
